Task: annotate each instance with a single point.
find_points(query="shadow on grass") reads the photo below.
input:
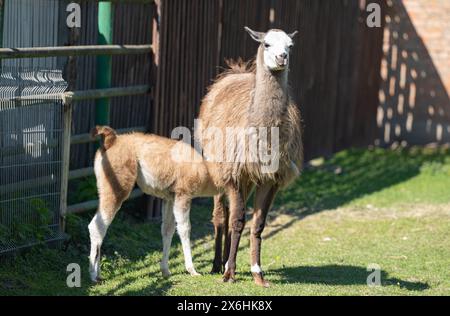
(349, 175)
(354, 173)
(159, 287)
(340, 275)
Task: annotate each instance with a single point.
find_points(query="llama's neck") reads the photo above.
(271, 95)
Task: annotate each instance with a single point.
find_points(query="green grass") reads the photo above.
(360, 207)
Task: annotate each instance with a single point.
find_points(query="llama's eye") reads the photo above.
(290, 46)
(266, 45)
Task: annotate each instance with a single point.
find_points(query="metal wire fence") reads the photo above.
(31, 139)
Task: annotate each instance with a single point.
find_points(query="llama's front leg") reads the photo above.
(181, 211)
(167, 231)
(237, 223)
(97, 231)
(264, 197)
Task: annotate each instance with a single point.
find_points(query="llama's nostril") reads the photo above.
(283, 55)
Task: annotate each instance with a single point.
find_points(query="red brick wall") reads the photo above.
(432, 22)
(414, 97)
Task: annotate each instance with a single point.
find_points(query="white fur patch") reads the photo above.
(97, 231)
(98, 227)
(184, 228)
(278, 43)
(278, 38)
(148, 180)
(98, 169)
(256, 269)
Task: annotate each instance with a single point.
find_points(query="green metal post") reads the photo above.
(104, 63)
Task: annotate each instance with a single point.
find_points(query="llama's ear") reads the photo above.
(257, 36)
(292, 35)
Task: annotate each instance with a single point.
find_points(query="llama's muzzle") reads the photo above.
(281, 60)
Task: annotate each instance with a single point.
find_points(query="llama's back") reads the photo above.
(167, 166)
(227, 101)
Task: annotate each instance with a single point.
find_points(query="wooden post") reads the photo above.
(153, 205)
(71, 77)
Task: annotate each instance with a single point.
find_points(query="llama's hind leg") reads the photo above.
(219, 220)
(167, 231)
(109, 203)
(181, 211)
(97, 231)
(115, 180)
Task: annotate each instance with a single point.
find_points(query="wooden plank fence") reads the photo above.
(334, 71)
(334, 67)
(133, 25)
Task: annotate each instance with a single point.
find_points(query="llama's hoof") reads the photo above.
(192, 272)
(97, 280)
(229, 280)
(259, 280)
(195, 273)
(228, 277)
(216, 269)
(165, 273)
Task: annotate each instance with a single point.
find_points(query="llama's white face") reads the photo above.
(276, 45)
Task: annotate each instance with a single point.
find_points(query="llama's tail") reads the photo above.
(108, 135)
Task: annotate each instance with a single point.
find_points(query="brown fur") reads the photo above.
(146, 160)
